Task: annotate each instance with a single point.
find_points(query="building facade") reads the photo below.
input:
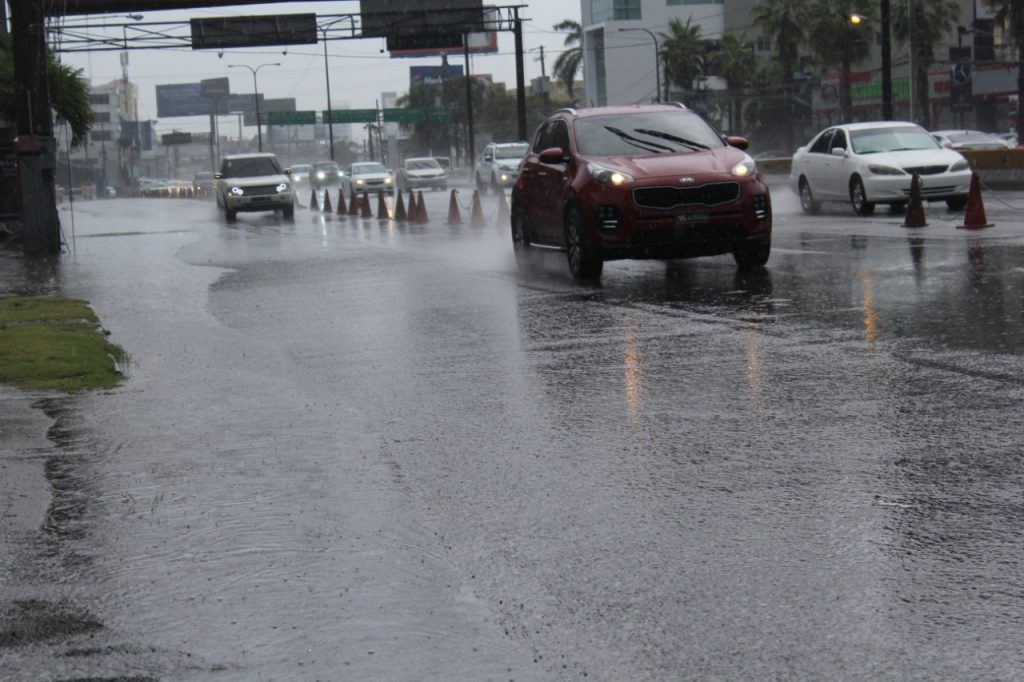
(619, 53)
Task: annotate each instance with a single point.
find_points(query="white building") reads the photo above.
(619, 60)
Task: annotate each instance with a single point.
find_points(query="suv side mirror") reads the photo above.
(287, 171)
(552, 155)
(737, 141)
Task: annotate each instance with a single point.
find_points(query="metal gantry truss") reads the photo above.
(68, 35)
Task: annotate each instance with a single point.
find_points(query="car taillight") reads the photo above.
(761, 207)
(607, 217)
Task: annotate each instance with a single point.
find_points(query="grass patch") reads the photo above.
(55, 343)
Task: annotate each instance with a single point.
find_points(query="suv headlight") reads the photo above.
(745, 168)
(283, 187)
(608, 176)
(959, 166)
(884, 170)
(237, 191)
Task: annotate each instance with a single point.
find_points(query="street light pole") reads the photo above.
(657, 61)
(886, 39)
(256, 95)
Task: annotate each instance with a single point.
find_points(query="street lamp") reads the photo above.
(657, 61)
(255, 95)
(327, 76)
(886, 40)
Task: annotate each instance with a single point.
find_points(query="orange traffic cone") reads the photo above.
(454, 216)
(503, 216)
(477, 217)
(312, 201)
(382, 207)
(364, 206)
(915, 209)
(353, 203)
(421, 209)
(974, 216)
(327, 201)
(342, 210)
(400, 208)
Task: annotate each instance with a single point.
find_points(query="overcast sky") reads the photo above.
(359, 71)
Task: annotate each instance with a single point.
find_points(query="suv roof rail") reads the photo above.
(565, 110)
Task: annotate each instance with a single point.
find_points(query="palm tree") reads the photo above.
(838, 42)
(1010, 14)
(69, 95)
(568, 63)
(683, 52)
(786, 23)
(735, 62)
(931, 21)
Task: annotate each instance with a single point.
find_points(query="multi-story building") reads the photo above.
(619, 49)
(104, 159)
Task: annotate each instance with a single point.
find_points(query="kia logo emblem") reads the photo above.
(686, 180)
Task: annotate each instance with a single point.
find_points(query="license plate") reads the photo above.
(690, 218)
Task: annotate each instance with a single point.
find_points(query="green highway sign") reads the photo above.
(291, 118)
(350, 116)
(439, 113)
(402, 115)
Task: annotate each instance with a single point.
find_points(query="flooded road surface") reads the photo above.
(351, 449)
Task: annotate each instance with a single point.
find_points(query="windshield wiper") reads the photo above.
(636, 142)
(672, 138)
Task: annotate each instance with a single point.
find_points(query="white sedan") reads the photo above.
(872, 163)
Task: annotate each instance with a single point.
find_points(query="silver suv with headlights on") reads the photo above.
(254, 182)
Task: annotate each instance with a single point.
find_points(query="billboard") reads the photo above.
(187, 99)
(266, 106)
(442, 18)
(254, 31)
(433, 75)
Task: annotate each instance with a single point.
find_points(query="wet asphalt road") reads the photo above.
(353, 450)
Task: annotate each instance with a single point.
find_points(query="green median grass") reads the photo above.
(55, 343)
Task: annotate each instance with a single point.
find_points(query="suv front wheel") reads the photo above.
(584, 262)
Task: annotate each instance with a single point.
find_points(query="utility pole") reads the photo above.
(36, 148)
(545, 90)
(520, 74)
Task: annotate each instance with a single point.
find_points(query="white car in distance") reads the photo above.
(871, 163)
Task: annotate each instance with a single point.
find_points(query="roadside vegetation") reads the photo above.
(57, 344)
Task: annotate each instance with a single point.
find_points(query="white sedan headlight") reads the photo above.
(884, 170)
(387, 180)
(359, 181)
(959, 166)
(608, 176)
(745, 168)
(321, 175)
(237, 191)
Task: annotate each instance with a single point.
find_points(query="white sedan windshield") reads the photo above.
(875, 140)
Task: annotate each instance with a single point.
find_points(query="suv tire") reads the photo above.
(584, 262)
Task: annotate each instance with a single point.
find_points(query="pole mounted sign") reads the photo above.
(254, 31)
(291, 118)
(350, 116)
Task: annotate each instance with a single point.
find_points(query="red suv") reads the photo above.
(652, 181)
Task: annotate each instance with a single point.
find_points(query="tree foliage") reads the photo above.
(683, 52)
(930, 23)
(838, 43)
(69, 95)
(569, 62)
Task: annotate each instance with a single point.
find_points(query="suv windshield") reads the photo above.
(895, 139)
(515, 151)
(636, 134)
(249, 168)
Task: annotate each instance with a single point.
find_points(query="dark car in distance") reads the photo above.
(650, 181)
(325, 174)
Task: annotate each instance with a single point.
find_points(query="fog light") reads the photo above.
(761, 208)
(607, 217)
